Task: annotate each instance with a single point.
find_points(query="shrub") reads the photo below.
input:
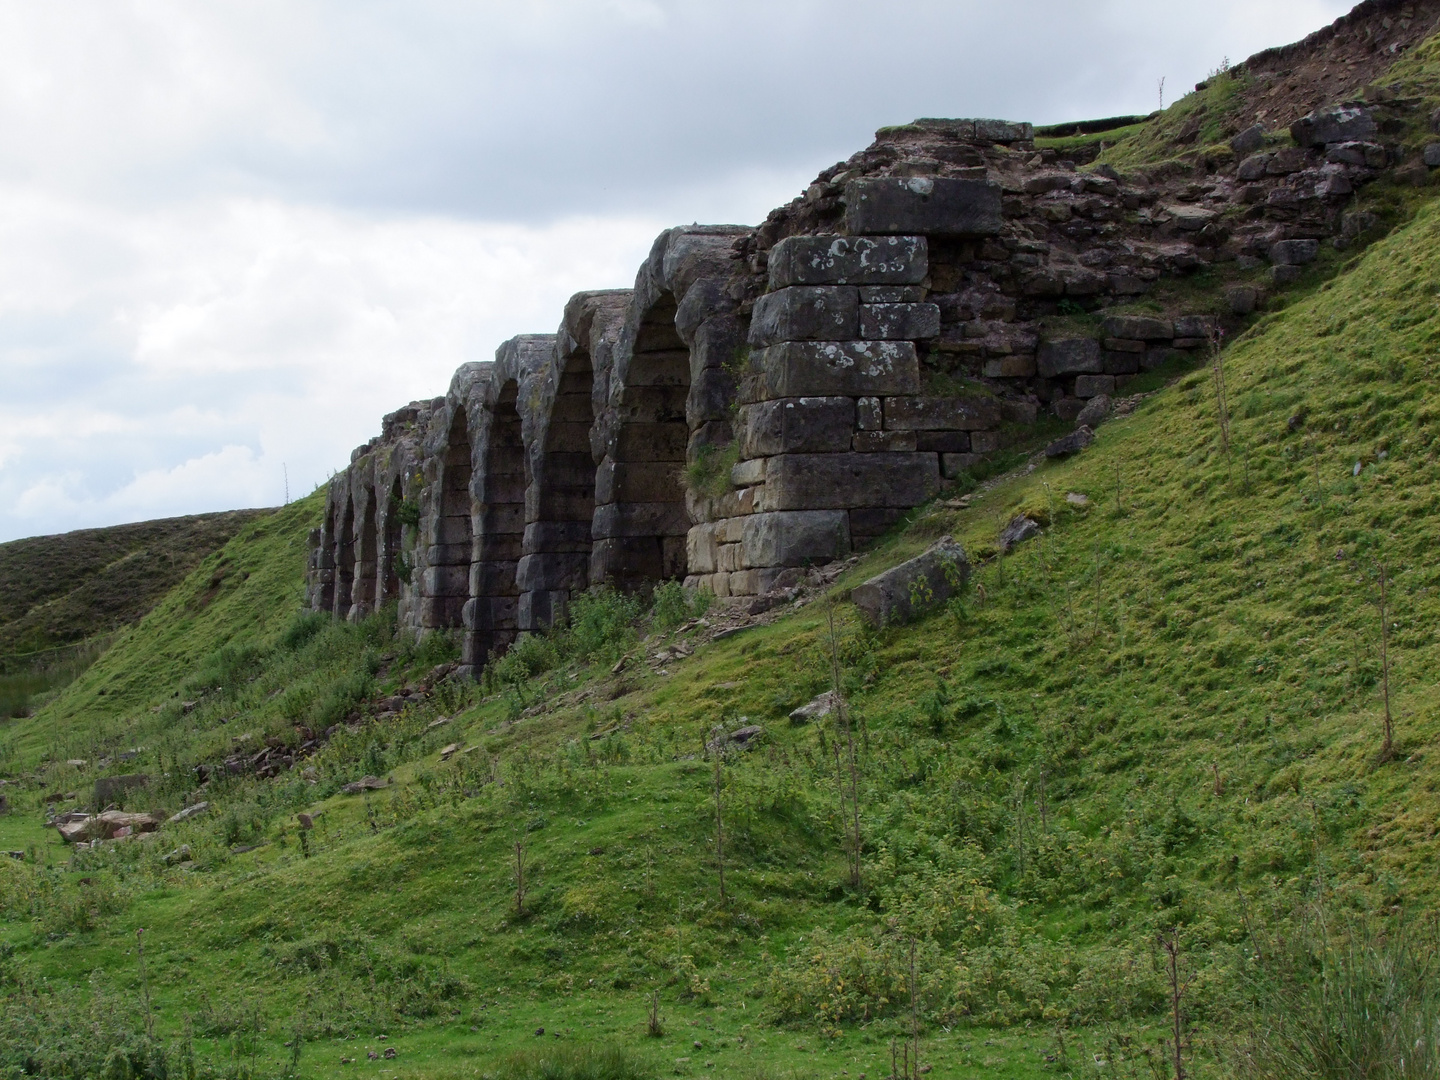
(601, 625)
(672, 604)
(302, 628)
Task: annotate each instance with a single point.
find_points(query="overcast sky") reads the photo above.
(234, 234)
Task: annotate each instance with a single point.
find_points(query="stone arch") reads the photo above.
(490, 614)
(366, 594)
(446, 581)
(560, 501)
(653, 428)
(388, 574)
(345, 558)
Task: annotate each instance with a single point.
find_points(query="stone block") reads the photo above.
(551, 571)
(748, 473)
(1369, 155)
(899, 322)
(943, 442)
(1243, 299)
(640, 519)
(891, 294)
(1194, 326)
(795, 538)
(806, 313)
(852, 368)
(1253, 167)
(1335, 124)
(1019, 366)
(1124, 345)
(909, 590)
(869, 415)
(803, 425)
(952, 465)
(1073, 443)
(984, 442)
(880, 442)
(940, 414)
(1068, 356)
(1160, 357)
(848, 260)
(538, 611)
(922, 204)
(839, 481)
(744, 583)
(1291, 159)
(1121, 363)
(1294, 252)
(1089, 386)
(1003, 131)
(1249, 140)
(1138, 328)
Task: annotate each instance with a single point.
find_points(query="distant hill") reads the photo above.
(56, 590)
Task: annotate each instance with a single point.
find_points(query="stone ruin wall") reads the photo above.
(900, 321)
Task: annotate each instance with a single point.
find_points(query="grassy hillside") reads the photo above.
(62, 596)
(1164, 714)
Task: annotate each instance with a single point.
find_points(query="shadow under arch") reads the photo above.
(491, 611)
(445, 584)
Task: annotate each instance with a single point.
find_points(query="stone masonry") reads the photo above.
(920, 306)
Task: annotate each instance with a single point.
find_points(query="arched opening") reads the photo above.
(640, 534)
(556, 560)
(447, 575)
(367, 585)
(389, 573)
(492, 615)
(345, 560)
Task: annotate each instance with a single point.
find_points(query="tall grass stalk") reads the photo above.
(1363, 1002)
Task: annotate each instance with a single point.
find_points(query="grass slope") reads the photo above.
(1164, 713)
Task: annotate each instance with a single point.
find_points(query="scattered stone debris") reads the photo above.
(178, 856)
(447, 752)
(914, 587)
(1075, 498)
(365, 783)
(742, 738)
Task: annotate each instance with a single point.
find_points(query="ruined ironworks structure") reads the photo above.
(769, 398)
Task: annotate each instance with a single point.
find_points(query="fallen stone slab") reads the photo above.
(1335, 124)
(1020, 529)
(73, 828)
(365, 783)
(117, 824)
(1096, 411)
(817, 708)
(914, 587)
(188, 813)
(1073, 443)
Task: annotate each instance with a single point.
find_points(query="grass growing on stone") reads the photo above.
(1164, 713)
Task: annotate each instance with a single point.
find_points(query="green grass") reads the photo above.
(1162, 714)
